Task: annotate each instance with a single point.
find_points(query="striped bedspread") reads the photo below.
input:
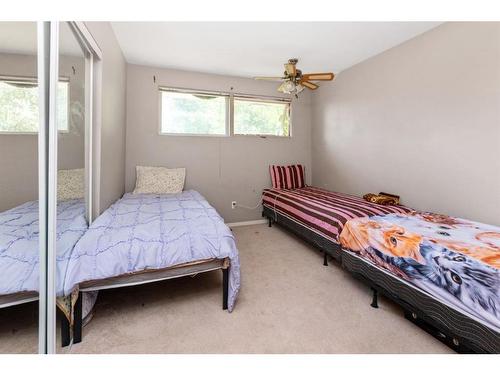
(325, 212)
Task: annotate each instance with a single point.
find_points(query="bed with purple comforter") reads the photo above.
(151, 232)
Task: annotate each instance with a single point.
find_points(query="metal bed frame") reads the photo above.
(138, 278)
(459, 331)
(8, 300)
(328, 247)
(455, 329)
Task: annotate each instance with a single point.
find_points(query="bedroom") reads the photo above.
(180, 197)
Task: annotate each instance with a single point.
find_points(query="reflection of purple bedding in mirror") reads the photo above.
(19, 252)
(147, 232)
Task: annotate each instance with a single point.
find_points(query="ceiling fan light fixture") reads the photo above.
(294, 81)
(289, 87)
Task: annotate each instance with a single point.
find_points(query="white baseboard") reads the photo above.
(243, 223)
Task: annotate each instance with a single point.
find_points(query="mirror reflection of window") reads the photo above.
(19, 105)
(19, 224)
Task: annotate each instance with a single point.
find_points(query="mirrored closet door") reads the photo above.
(19, 188)
(46, 121)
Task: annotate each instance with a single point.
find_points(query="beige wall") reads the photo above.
(112, 132)
(19, 152)
(421, 120)
(223, 169)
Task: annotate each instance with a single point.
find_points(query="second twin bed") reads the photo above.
(442, 270)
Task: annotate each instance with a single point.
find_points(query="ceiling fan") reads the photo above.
(294, 81)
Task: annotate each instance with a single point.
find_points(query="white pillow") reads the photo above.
(159, 180)
(70, 184)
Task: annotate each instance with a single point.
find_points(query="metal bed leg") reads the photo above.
(325, 259)
(270, 221)
(225, 287)
(374, 303)
(78, 320)
(65, 331)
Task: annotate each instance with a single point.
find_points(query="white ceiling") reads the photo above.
(20, 37)
(248, 49)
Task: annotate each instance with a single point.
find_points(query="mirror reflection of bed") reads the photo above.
(19, 181)
(19, 244)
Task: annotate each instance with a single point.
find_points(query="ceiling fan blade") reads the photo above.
(318, 76)
(291, 69)
(309, 85)
(270, 78)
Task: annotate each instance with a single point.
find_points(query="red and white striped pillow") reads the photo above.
(287, 177)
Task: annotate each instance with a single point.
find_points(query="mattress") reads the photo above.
(151, 232)
(457, 261)
(322, 211)
(19, 246)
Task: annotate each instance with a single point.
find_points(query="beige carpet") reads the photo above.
(289, 303)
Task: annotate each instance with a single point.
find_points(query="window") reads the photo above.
(19, 105)
(194, 113)
(261, 117)
(188, 112)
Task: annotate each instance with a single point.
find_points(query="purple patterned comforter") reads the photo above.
(19, 251)
(146, 232)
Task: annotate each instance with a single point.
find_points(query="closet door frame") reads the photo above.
(93, 86)
(48, 76)
(47, 41)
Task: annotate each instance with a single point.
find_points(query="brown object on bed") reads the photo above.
(382, 198)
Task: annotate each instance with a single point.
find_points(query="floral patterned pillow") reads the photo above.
(159, 180)
(70, 184)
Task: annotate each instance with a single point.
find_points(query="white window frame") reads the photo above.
(230, 97)
(34, 81)
(227, 129)
(263, 99)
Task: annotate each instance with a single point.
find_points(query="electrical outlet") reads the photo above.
(233, 205)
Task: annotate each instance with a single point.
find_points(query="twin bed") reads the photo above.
(443, 271)
(142, 238)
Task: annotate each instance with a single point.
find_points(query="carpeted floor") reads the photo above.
(289, 303)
